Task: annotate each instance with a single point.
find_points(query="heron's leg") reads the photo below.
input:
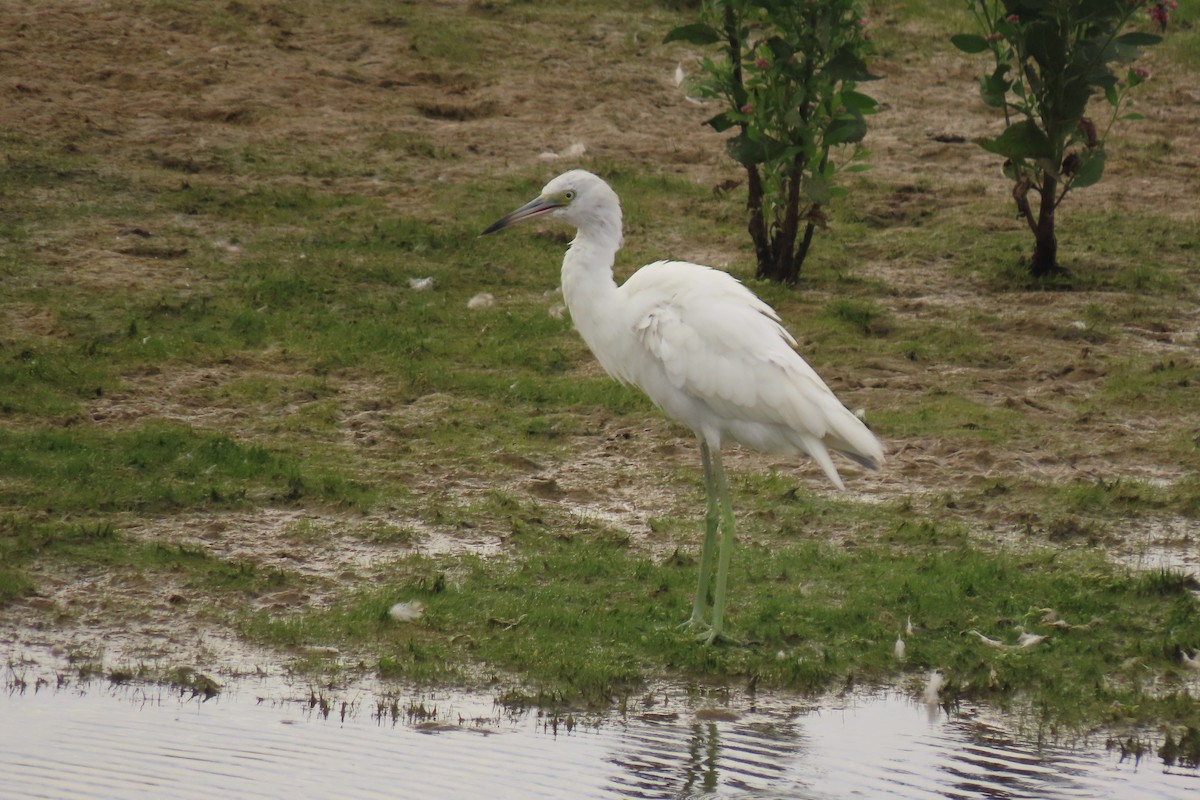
(711, 519)
(726, 505)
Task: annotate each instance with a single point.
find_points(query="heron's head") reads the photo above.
(577, 197)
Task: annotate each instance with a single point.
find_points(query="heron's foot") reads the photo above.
(700, 630)
(705, 634)
(712, 637)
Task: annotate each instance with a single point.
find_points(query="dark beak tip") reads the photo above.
(495, 226)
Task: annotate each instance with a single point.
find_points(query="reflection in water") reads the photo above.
(99, 741)
(666, 756)
(868, 746)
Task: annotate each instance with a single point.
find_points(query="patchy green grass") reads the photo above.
(155, 468)
(583, 616)
(99, 546)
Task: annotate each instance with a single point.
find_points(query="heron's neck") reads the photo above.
(587, 278)
(587, 270)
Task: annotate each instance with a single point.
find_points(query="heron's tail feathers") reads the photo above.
(850, 437)
(820, 453)
(863, 461)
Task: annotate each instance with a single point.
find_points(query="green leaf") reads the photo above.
(1090, 170)
(847, 66)
(1021, 140)
(721, 122)
(1046, 46)
(1138, 39)
(696, 33)
(845, 130)
(777, 149)
(745, 151)
(859, 102)
(818, 189)
(780, 50)
(969, 42)
(1126, 48)
(994, 89)
(1072, 102)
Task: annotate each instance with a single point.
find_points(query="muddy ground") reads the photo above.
(148, 91)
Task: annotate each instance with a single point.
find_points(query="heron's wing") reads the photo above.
(717, 342)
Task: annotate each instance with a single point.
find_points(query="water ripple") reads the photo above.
(148, 742)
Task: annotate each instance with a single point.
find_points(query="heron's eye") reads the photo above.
(569, 195)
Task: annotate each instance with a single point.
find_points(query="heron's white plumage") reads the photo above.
(715, 357)
(702, 346)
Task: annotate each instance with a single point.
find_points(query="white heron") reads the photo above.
(706, 350)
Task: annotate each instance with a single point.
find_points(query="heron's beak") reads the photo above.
(534, 208)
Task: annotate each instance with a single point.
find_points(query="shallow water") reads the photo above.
(265, 740)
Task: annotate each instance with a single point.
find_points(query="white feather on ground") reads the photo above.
(409, 611)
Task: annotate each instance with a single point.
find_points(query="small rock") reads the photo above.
(483, 300)
(319, 650)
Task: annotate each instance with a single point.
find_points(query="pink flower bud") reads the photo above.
(1013, 18)
(1159, 11)
(1141, 72)
(748, 108)
(761, 63)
